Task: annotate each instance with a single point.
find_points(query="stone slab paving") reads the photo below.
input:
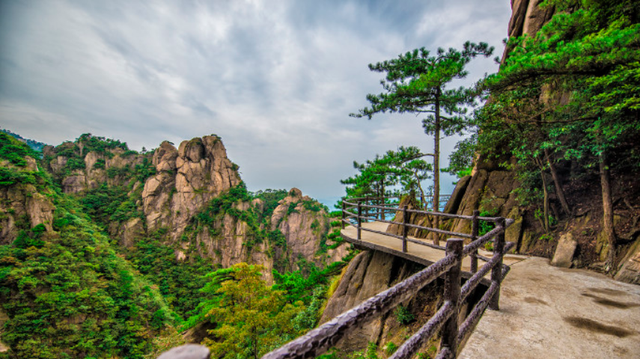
(545, 311)
(550, 312)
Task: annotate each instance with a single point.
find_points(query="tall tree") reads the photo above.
(416, 82)
(251, 318)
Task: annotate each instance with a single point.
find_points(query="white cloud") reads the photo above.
(276, 80)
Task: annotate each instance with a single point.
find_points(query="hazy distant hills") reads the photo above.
(35, 145)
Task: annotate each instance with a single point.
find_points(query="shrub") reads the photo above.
(403, 315)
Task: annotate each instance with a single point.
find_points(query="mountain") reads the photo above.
(105, 250)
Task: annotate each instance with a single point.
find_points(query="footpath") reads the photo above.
(550, 312)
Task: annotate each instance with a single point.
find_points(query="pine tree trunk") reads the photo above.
(558, 185)
(607, 211)
(436, 168)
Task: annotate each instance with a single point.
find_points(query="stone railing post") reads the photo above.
(474, 236)
(452, 294)
(496, 272)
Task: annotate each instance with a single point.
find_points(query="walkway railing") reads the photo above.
(453, 335)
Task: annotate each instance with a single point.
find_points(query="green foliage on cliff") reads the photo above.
(68, 294)
(72, 292)
(14, 151)
(178, 282)
(588, 55)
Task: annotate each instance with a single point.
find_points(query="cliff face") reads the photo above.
(368, 274)
(190, 196)
(22, 205)
(574, 239)
(186, 180)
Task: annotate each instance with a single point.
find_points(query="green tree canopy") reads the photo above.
(251, 318)
(572, 91)
(416, 82)
(381, 176)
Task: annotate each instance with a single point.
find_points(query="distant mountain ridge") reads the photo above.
(35, 145)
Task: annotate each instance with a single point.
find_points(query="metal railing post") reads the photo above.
(344, 215)
(496, 272)
(452, 294)
(474, 236)
(359, 221)
(405, 229)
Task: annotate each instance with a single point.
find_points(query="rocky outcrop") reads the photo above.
(630, 268)
(304, 223)
(368, 274)
(22, 206)
(110, 166)
(183, 183)
(186, 180)
(565, 251)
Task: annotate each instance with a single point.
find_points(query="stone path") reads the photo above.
(545, 311)
(550, 312)
(430, 254)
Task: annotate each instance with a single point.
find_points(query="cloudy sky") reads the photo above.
(275, 79)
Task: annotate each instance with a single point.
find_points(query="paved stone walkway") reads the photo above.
(545, 311)
(549, 312)
(431, 254)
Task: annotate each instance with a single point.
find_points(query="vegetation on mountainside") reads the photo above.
(570, 94)
(251, 318)
(74, 293)
(67, 293)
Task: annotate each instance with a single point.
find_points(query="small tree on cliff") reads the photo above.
(416, 83)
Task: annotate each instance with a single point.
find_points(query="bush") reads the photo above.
(100, 163)
(403, 315)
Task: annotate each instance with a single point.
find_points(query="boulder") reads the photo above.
(630, 266)
(564, 251)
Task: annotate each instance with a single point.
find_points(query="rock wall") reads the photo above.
(92, 176)
(187, 179)
(304, 228)
(368, 274)
(22, 206)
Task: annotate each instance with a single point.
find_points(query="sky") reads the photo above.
(275, 79)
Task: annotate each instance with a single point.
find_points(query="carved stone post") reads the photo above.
(452, 294)
(474, 236)
(405, 229)
(496, 272)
